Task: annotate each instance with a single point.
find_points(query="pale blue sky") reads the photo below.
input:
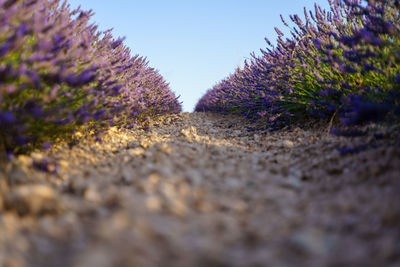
(194, 44)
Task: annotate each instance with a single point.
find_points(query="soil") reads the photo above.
(197, 189)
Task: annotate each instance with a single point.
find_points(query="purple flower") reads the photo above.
(117, 43)
(86, 76)
(46, 145)
(4, 48)
(7, 117)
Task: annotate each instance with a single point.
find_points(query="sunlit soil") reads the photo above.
(202, 190)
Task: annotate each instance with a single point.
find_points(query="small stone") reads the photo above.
(237, 132)
(165, 148)
(63, 163)
(178, 207)
(78, 134)
(133, 144)
(24, 161)
(239, 206)
(190, 133)
(312, 242)
(32, 199)
(195, 177)
(36, 156)
(153, 203)
(233, 183)
(292, 183)
(212, 131)
(17, 175)
(136, 151)
(154, 178)
(287, 144)
(92, 195)
(144, 144)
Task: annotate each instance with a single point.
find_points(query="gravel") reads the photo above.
(197, 189)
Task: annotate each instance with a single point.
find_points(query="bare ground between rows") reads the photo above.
(201, 190)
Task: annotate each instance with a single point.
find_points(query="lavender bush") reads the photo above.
(345, 62)
(57, 71)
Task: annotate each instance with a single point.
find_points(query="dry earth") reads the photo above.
(200, 190)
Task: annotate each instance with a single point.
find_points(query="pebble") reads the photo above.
(36, 156)
(24, 160)
(153, 203)
(63, 163)
(237, 132)
(144, 144)
(18, 175)
(287, 144)
(32, 199)
(190, 133)
(257, 138)
(91, 194)
(165, 148)
(312, 242)
(136, 151)
(133, 144)
(292, 182)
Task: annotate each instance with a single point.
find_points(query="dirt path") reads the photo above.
(200, 190)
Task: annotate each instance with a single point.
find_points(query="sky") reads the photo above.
(194, 44)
